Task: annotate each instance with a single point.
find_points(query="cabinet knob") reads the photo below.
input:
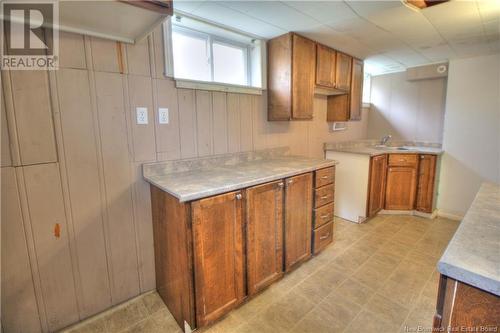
(238, 196)
(325, 197)
(281, 184)
(324, 177)
(289, 181)
(422, 157)
(325, 236)
(325, 216)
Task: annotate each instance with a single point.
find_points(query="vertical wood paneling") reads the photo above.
(8, 103)
(105, 55)
(71, 51)
(233, 123)
(143, 136)
(50, 235)
(246, 119)
(33, 118)
(122, 253)
(138, 58)
(158, 67)
(219, 126)
(6, 157)
(260, 122)
(187, 122)
(204, 122)
(144, 229)
(167, 135)
(81, 164)
(19, 307)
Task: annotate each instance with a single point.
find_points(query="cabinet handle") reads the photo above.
(422, 157)
(325, 216)
(325, 236)
(281, 184)
(238, 196)
(324, 177)
(289, 181)
(325, 197)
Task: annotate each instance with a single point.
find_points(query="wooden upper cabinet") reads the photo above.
(298, 216)
(325, 66)
(401, 188)
(218, 255)
(343, 71)
(159, 6)
(356, 95)
(425, 187)
(264, 235)
(377, 181)
(291, 75)
(337, 108)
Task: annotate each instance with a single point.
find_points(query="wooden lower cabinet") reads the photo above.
(219, 259)
(264, 235)
(426, 180)
(376, 184)
(298, 216)
(464, 308)
(401, 188)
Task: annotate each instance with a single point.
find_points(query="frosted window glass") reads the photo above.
(190, 57)
(229, 64)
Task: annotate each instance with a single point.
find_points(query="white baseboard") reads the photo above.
(450, 216)
(410, 213)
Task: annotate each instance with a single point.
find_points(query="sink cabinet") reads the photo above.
(214, 253)
(426, 180)
(377, 181)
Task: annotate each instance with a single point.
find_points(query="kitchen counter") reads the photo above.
(367, 147)
(198, 178)
(472, 256)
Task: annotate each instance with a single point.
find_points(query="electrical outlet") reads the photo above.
(142, 115)
(163, 115)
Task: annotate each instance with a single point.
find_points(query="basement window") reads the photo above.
(206, 56)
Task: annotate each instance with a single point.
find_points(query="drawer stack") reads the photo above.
(324, 189)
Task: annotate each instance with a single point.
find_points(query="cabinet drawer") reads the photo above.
(323, 215)
(323, 195)
(324, 177)
(322, 237)
(403, 159)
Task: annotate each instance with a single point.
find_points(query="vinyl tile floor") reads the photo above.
(379, 276)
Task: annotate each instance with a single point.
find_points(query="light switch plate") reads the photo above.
(142, 115)
(163, 115)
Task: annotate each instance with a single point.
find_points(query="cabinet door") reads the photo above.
(337, 108)
(325, 66)
(425, 188)
(264, 235)
(218, 255)
(303, 70)
(298, 215)
(376, 189)
(356, 89)
(343, 71)
(401, 188)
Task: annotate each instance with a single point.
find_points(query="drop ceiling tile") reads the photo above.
(365, 8)
(439, 52)
(407, 56)
(324, 11)
(275, 13)
(187, 6)
(453, 15)
(489, 9)
(213, 11)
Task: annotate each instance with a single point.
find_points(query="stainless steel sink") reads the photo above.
(382, 147)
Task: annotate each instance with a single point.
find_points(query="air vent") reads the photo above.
(433, 71)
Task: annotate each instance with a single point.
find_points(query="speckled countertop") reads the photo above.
(199, 178)
(367, 147)
(473, 254)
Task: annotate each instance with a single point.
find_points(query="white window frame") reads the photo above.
(211, 39)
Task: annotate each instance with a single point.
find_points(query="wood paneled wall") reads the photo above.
(76, 215)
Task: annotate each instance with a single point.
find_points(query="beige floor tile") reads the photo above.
(402, 293)
(166, 322)
(366, 321)
(148, 325)
(313, 288)
(340, 309)
(125, 316)
(318, 321)
(387, 309)
(351, 259)
(153, 302)
(371, 275)
(90, 326)
(355, 292)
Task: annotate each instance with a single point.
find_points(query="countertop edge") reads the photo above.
(382, 152)
(209, 193)
(474, 279)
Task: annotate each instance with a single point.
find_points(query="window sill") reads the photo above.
(215, 86)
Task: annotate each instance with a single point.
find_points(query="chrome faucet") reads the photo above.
(384, 140)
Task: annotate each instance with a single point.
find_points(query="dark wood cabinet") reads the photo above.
(325, 66)
(401, 188)
(218, 255)
(298, 216)
(356, 95)
(337, 108)
(264, 234)
(426, 180)
(376, 184)
(343, 71)
(291, 76)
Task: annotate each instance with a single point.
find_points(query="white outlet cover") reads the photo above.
(163, 117)
(142, 115)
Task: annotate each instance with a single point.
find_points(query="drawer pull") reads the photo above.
(281, 184)
(324, 177)
(289, 181)
(325, 236)
(325, 216)
(238, 196)
(325, 197)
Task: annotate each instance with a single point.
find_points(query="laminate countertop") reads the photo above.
(368, 147)
(473, 254)
(225, 175)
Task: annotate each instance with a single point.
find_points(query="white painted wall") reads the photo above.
(408, 110)
(471, 132)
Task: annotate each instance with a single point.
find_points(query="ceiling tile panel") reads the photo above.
(324, 11)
